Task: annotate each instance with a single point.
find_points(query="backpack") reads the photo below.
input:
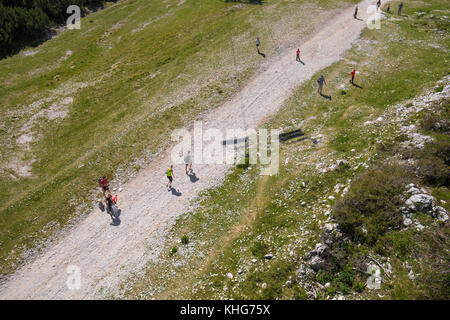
(100, 181)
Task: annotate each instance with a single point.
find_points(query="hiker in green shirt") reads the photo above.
(170, 176)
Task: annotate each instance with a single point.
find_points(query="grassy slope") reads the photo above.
(249, 216)
(137, 69)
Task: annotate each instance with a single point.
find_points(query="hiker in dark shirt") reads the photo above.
(400, 6)
(321, 81)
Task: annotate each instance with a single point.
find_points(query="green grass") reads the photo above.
(236, 224)
(137, 70)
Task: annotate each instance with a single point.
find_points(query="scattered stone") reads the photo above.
(230, 275)
(303, 203)
(413, 191)
(329, 227)
(264, 285)
(268, 256)
(407, 222)
(317, 263)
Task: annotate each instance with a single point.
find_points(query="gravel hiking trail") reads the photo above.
(107, 253)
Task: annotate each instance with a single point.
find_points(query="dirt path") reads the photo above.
(104, 253)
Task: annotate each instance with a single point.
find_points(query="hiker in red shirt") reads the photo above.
(105, 184)
(353, 75)
(298, 55)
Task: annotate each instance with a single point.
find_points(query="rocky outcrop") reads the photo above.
(420, 201)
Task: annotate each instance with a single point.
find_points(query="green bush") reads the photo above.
(259, 249)
(433, 163)
(371, 207)
(184, 239)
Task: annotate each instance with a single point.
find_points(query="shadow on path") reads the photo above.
(115, 222)
(175, 192)
(193, 177)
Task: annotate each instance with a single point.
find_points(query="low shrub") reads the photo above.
(371, 207)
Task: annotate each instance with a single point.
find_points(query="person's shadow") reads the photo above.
(355, 85)
(115, 218)
(359, 19)
(193, 177)
(115, 222)
(261, 54)
(325, 96)
(175, 192)
(301, 62)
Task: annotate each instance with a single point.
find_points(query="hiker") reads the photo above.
(109, 203)
(378, 4)
(388, 7)
(321, 81)
(188, 162)
(356, 13)
(298, 55)
(104, 184)
(257, 44)
(170, 176)
(353, 75)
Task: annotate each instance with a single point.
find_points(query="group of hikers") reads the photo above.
(110, 202)
(388, 8)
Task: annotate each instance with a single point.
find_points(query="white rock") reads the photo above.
(442, 214)
(420, 202)
(407, 221)
(329, 227)
(230, 275)
(413, 191)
